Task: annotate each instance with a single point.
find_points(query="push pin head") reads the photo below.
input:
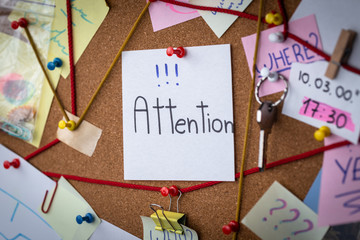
(322, 133)
(277, 37)
(274, 18)
(87, 218)
(69, 125)
(15, 163)
(233, 226)
(264, 72)
(22, 22)
(273, 76)
(164, 191)
(180, 51)
(56, 63)
(226, 229)
(173, 191)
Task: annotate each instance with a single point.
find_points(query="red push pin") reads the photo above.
(233, 226)
(22, 22)
(15, 163)
(164, 191)
(173, 191)
(180, 51)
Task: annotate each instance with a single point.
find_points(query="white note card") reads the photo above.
(22, 190)
(178, 115)
(217, 21)
(110, 232)
(320, 101)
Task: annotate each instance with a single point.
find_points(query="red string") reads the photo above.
(285, 18)
(214, 9)
(207, 184)
(47, 146)
(273, 164)
(103, 182)
(253, 17)
(71, 57)
(202, 185)
(308, 45)
(321, 53)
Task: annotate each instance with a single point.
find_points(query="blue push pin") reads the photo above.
(56, 63)
(88, 218)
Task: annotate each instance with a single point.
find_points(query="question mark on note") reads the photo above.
(296, 216)
(307, 229)
(310, 226)
(316, 38)
(283, 205)
(239, 4)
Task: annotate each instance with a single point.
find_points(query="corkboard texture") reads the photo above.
(207, 209)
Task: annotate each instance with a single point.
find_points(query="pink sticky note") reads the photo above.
(279, 56)
(165, 15)
(340, 185)
(327, 114)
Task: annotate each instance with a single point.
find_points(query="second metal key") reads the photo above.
(265, 117)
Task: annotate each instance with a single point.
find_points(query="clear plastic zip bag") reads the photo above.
(21, 77)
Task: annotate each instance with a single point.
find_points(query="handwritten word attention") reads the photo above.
(281, 60)
(181, 125)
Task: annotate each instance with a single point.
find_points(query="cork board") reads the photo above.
(207, 209)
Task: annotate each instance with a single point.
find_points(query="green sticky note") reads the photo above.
(68, 204)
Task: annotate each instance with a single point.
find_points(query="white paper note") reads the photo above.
(177, 115)
(319, 101)
(22, 190)
(331, 17)
(110, 232)
(220, 22)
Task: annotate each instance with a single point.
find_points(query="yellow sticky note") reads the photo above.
(87, 15)
(66, 206)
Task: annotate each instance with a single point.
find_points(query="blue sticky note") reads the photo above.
(312, 197)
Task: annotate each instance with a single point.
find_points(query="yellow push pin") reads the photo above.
(274, 18)
(278, 19)
(322, 133)
(70, 125)
(269, 18)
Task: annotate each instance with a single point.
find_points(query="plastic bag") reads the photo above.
(21, 77)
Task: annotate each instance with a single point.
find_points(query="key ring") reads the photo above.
(262, 80)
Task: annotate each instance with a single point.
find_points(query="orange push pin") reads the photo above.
(69, 125)
(322, 133)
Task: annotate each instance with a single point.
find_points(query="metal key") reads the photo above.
(265, 117)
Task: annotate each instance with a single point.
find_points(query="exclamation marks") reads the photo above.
(176, 73)
(157, 70)
(166, 72)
